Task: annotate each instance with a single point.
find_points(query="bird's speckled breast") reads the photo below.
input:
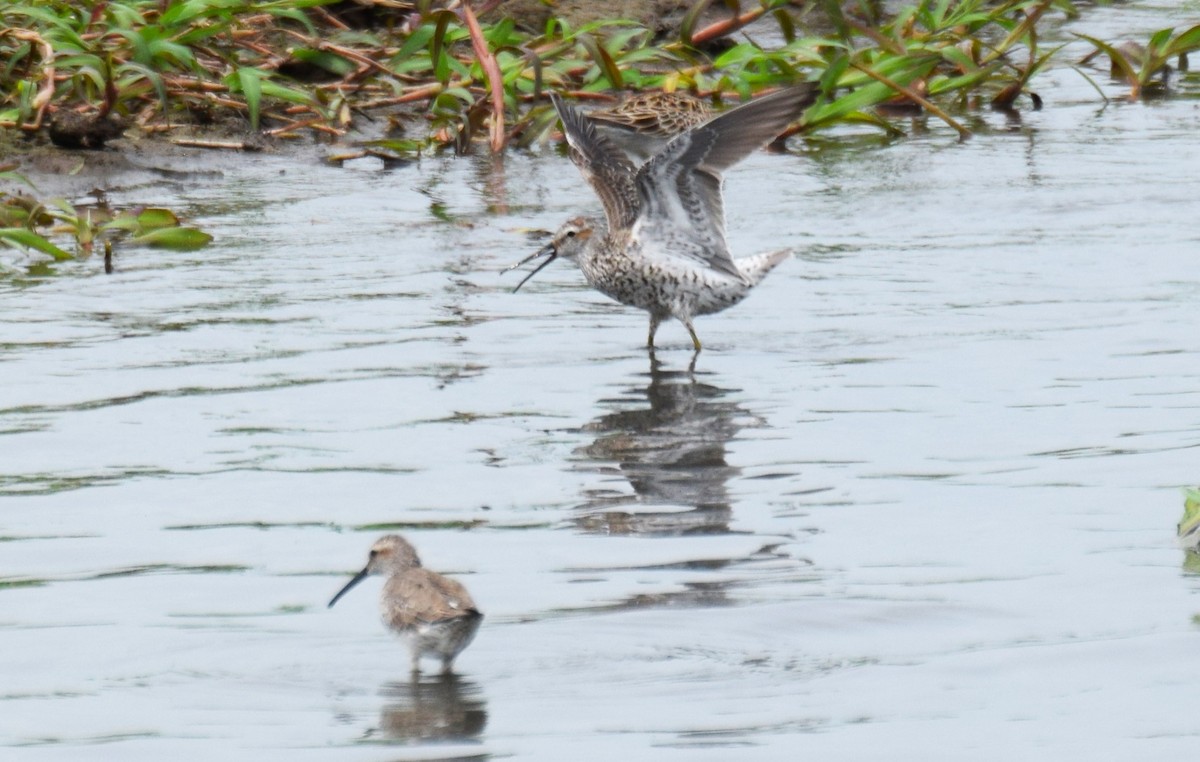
(660, 285)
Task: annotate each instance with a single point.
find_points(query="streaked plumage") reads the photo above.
(661, 246)
(643, 123)
(434, 615)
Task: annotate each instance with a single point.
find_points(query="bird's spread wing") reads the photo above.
(679, 189)
(604, 166)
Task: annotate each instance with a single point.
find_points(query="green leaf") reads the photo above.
(962, 82)
(123, 221)
(1118, 58)
(1158, 41)
(1189, 525)
(863, 97)
(30, 240)
(1185, 42)
(833, 73)
(330, 62)
(860, 117)
(142, 72)
(166, 50)
(688, 26)
(603, 60)
(404, 147)
(250, 83)
(957, 57)
(179, 239)
(738, 54)
(437, 50)
(156, 217)
(417, 41)
(787, 27)
(289, 94)
(296, 15)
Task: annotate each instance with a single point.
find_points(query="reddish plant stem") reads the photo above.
(492, 70)
(728, 26)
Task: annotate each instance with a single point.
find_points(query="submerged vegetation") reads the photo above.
(395, 78)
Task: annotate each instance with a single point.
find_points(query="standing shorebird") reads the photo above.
(643, 123)
(661, 246)
(432, 614)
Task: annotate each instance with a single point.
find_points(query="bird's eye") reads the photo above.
(372, 554)
(570, 234)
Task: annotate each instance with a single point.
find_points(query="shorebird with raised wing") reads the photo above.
(661, 245)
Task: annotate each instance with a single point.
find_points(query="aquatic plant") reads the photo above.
(32, 224)
(1147, 67)
(301, 67)
(1188, 529)
(121, 57)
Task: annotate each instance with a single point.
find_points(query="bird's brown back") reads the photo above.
(421, 596)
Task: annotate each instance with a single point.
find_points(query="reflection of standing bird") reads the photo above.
(432, 614)
(670, 440)
(662, 244)
(447, 709)
(642, 124)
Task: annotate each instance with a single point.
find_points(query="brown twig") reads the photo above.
(418, 94)
(329, 18)
(319, 126)
(179, 82)
(227, 102)
(354, 55)
(227, 145)
(963, 132)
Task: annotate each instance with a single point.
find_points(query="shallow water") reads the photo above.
(918, 495)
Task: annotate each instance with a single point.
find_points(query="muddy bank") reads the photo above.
(129, 161)
(76, 152)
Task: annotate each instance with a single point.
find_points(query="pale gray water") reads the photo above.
(917, 500)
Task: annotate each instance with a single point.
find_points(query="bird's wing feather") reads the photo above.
(423, 596)
(679, 189)
(604, 166)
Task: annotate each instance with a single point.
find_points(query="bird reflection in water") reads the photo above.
(668, 440)
(445, 709)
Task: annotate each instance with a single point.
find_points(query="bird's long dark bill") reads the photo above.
(549, 251)
(357, 578)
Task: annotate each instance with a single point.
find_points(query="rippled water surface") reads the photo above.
(917, 498)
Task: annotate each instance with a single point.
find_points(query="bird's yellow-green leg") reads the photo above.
(654, 321)
(695, 338)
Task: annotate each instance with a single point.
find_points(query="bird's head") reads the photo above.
(568, 241)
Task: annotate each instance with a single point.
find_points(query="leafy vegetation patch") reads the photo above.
(425, 75)
(33, 224)
(293, 67)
